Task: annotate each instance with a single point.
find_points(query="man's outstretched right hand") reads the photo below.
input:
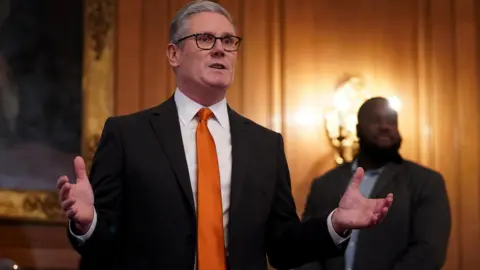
(77, 199)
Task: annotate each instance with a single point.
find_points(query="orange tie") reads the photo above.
(211, 250)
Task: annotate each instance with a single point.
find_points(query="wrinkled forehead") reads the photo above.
(211, 23)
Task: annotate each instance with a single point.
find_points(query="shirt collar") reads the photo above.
(372, 172)
(187, 109)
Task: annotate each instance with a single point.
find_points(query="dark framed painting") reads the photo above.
(56, 80)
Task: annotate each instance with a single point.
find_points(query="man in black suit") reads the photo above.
(415, 234)
(143, 206)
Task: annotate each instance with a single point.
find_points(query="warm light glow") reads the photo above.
(395, 103)
(332, 123)
(15, 266)
(305, 117)
(351, 123)
(341, 102)
(341, 120)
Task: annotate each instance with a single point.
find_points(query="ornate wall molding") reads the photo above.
(97, 89)
(98, 71)
(100, 19)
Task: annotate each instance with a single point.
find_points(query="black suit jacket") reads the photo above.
(145, 206)
(415, 233)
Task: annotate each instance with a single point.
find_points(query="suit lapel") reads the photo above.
(380, 190)
(344, 177)
(386, 177)
(165, 123)
(240, 157)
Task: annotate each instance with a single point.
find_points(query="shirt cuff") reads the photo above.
(337, 239)
(83, 238)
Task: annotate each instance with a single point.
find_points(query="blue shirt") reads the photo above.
(369, 179)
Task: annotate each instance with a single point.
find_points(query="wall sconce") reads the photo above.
(341, 121)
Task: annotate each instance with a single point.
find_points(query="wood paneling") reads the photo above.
(37, 246)
(426, 52)
(423, 51)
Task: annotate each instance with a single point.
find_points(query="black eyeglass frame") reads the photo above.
(196, 35)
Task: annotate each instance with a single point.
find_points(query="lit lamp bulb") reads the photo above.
(395, 103)
(341, 102)
(341, 121)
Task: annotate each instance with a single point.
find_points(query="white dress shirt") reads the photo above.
(219, 127)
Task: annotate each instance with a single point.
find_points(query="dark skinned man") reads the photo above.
(415, 234)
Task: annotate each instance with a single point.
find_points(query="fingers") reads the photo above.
(382, 214)
(64, 188)
(374, 220)
(379, 215)
(71, 213)
(67, 204)
(381, 209)
(67, 201)
(80, 171)
(62, 180)
(65, 192)
(69, 208)
(357, 178)
(388, 200)
(381, 203)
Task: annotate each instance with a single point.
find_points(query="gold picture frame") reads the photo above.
(97, 92)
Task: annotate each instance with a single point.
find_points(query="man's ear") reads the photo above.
(173, 54)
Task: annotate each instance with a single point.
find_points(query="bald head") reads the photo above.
(377, 127)
(372, 105)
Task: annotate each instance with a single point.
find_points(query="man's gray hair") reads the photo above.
(178, 25)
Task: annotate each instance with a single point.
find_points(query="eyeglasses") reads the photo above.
(207, 41)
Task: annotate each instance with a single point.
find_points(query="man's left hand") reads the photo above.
(356, 211)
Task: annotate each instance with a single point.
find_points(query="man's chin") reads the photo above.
(384, 154)
(220, 84)
(385, 145)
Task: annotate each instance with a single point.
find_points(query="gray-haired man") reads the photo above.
(191, 184)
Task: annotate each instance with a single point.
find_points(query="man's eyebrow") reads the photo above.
(227, 34)
(223, 34)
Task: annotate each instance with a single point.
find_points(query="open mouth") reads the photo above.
(217, 66)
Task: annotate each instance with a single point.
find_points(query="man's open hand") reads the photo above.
(77, 199)
(358, 212)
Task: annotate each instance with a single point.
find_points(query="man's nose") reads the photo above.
(218, 49)
(384, 126)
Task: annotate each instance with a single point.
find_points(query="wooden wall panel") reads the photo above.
(467, 107)
(36, 246)
(154, 63)
(426, 52)
(303, 94)
(129, 56)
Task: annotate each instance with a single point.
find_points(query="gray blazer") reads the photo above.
(415, 233)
